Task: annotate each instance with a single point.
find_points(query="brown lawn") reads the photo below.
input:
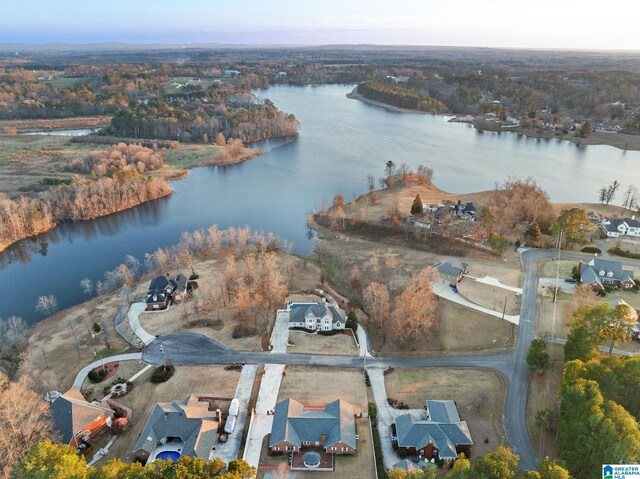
(457, 330)
(55, 337)
(207, 380)
(491, 297)
(317, 386)
(479, 396)
(301, 342)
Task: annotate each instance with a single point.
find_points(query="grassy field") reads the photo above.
(301, 342)
(479, 396)
(171, 86)
(191, 155)
(26, 160)
(209, 380)
(548, 268)
(543, 394)
(64, 82)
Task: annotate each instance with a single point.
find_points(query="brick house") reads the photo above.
(296, 428)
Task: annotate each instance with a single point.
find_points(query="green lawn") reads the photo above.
(190, 155)
(64, 82)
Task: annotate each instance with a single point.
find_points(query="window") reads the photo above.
(344, 449)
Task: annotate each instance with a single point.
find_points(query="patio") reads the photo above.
(298, 460)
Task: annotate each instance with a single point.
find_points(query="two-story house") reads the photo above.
(321, 316)
(617, 227)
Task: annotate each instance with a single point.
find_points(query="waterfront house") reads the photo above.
(164, 289)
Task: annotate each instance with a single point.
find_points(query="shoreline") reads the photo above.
(354, 95)
(173, 174)
(595, 139)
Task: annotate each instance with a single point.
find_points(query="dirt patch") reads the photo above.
(302, 384)
(543, 393)
(206, 380)
(478, 394)
(25, 126)
(308, 343)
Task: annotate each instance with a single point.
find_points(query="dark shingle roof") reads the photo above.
(293, 424)
(189, 419)
(318, 310)
(444, 430)
(598, 265)
(72, 413)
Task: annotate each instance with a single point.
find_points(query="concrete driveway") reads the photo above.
(386, 416)
(134, 321)
(228, 451)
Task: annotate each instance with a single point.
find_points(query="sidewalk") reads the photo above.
(80, 377)
(444, 291)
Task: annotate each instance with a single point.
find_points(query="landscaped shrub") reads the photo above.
(102, 373)
(624, 253)
(162, 374)
(591, 249)
(96, 328)
(94, 377)
(242, 331)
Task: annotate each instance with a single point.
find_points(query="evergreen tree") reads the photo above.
(580, 345)
(416, 207)
(537, 356)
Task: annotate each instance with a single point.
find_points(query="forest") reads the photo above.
(400, 96)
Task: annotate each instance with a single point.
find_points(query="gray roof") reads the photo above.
(189, 419)
(72, 413)
(293, 424)
(318, 310)
(415, 432)
(619, 302)
(452, 268)
(442, 411)
(606, 265)
(615, 222)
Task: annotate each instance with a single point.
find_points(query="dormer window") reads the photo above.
(610, 274)
(601, 272)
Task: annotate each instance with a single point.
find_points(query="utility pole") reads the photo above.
(75, 338)
(46, 365)
(555, 290)
(164, 357)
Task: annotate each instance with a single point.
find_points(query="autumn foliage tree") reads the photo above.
(415, 308)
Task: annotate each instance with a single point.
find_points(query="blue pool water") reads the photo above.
(164, 455)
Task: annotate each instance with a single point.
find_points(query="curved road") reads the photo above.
(193, 348)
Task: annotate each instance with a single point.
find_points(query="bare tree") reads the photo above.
(24, 420)
(87, 286)
(47, 305)
(376, 302)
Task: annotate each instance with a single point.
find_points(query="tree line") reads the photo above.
(400, 96)
(82, 199)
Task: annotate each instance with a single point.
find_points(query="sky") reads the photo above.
(567, 24)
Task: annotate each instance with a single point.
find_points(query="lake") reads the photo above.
(341, 141)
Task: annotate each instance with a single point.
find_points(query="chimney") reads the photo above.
(323, 439)
(168, 275)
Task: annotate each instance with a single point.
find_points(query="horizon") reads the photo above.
(464, 24)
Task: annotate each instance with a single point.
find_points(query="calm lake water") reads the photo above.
(340, 142)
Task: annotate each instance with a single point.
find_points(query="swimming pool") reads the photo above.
(165, 455)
